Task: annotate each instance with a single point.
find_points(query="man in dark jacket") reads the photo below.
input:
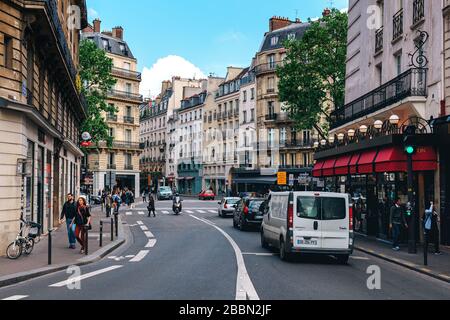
(69, 212)
(151, 206)
(396, 221)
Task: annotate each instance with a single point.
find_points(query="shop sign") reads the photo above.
(282, 178)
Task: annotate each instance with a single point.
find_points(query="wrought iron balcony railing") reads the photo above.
(111, 117)
(271, 117)
(129, 120)
(128, 167)
(410, 83)
(379, 38)
(126, 95)
(112, 166)
(398, 25)
(418, 11)
(126, 73)
(267, 67)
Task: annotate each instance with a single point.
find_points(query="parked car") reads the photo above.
(164, 193)
(248, 213)
(309, 222)
(207, 195)
(227, 206)
(96, 200)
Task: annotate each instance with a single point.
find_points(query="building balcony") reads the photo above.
(125, 73)
(267, 67)
(126, 145)
(236, 112)
(128, 167)
(418, 11)
(293, 144)
(124, 95)
(129, 120)
(112, 167)
(112, 118)
(271, 117)
(398, 25)
(410, 83)
(379, 38)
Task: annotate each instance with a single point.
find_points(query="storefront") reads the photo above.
(375, 178)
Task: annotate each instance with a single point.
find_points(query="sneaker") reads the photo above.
(438, 253)
(81, 251)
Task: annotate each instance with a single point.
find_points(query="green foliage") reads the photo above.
(313, 76)
(95, 74)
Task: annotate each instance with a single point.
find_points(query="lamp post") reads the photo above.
(410, 150)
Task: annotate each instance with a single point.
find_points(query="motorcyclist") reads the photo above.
(177, 200)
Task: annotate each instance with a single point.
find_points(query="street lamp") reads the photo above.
(323, 142)
(363, 129)
(341, 137)
(331, 139)
(351, 133)
(394, 120)
(316, 145)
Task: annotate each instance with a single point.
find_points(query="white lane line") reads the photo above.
(83, 277)
(201, 211)
(129, 213)
(140, 223)
(189, 211)
(15, 298)
(212, 211)
(141, 213)
(141, 255)
(244, 285)
(148, 234)
(151, 243)
(259, 254)
(144, 228)
(130, 256)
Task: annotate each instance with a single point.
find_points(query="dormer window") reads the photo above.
(291, 36)
(105, 44)
(274, 41)
(123, 48)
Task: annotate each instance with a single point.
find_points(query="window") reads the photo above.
(245, 96)
(127, 66)
(111, 132)
(128, 87)
(379, 72)
(333, 209)
(271, 61)
(253, 93)
(398, 63)
(244, 116)
(291, 36)
(252, 115)
(274, 41)
(283, 159)
(129, 112)
(270, 108)
(111, 159)
(293, 162)
(306, 136)
(106, 44)
(128, 135)
(283, 136)
(306, 159)
(308, 208)
(8, 53)
(270, 84)
(271, 137)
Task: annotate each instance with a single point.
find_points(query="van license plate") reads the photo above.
(307, 242)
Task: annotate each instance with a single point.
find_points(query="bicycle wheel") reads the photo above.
(29, 246)
(14, 250)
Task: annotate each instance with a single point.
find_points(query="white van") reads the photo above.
(309, 222)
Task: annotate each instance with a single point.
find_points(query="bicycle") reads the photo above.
(24, 245)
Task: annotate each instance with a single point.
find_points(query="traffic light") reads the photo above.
(410, 141)
(410, 149)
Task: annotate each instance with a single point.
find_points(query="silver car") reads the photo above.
(228, 206)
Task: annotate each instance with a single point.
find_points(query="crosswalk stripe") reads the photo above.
(141, 255)
(144, 228)
(201, 211)
(129, 213)
(189, 211)
(165, 212)
(151, 243)
(212, 211)
(140, 223)
(141, 213)
(15, 298)
(148, 234)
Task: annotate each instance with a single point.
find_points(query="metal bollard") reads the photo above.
(50, 247)
(425, 250)
(112, 229)
(86, 240)
(116, 218)
(101, 234)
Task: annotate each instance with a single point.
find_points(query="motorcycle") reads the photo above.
(177, 207)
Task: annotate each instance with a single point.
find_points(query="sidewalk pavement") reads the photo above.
(36, 265)
(438, 266)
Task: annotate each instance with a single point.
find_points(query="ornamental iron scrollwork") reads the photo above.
(418, 58)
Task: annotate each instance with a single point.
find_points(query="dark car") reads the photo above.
(249, 212)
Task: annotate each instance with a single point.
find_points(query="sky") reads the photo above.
(194, 38)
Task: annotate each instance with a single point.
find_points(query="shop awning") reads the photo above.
(181, 178)
(366, 162)
(391, 159)
(425, 159)
(328, 167)
(353, 163)
(341, 166)
(317, 171)
(256, 180)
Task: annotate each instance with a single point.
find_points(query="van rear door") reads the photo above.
(335, 222)
(307, 225)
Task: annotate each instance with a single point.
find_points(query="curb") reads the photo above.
(96, 256)
(402, 263)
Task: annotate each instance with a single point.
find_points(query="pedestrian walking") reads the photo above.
(82, 221)
(108, 204)
(431, 228)
(151, 206)
(396, 222)
(144, 196)
(131, 195)
(68, 214)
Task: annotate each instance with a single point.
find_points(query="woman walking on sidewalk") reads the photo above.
(82, 221)
(431, 228)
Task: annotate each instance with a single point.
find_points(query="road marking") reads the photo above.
(141, 255)
(201, 211)
(148, 234)
(141, 213)
(15, 298)
(259, 254)
(140, 223)
(130, 256)
(244, 285)
(165, 212)
(212, 211)
(129, 213)
(151, 243)
(359, 258)
(144, 228)
(189, 211)
(83, 277)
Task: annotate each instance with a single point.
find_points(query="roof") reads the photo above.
(114, 43)
(298, 28)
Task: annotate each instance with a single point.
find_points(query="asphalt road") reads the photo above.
(199, 256)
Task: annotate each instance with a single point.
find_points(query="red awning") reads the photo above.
(391, 159)
(341, 166)
(366, 161)
(328, 167)
(353, 162)
(317, 171)
(425, 159)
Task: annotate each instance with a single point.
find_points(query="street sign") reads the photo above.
(282, 178)
(291, 180)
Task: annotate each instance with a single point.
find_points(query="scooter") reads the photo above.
(177, 208)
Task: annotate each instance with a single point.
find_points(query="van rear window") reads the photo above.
(321, 208)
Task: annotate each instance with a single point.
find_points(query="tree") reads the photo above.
(96, 79)
(312, 79)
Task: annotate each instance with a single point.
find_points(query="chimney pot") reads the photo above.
(117, 32)
(97, 25)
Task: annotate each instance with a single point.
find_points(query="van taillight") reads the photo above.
(246, 210)
(351, 218)
(291, 215)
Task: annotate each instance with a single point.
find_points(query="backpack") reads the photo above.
(428, 220)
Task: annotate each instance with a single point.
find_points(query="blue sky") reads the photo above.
(208, 34)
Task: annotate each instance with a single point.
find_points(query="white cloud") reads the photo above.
(164, 69)
(92, 13)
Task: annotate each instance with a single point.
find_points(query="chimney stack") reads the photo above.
(276, 23)
(326, 12)
(97, 25)
(117, 32)
(165, 86)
